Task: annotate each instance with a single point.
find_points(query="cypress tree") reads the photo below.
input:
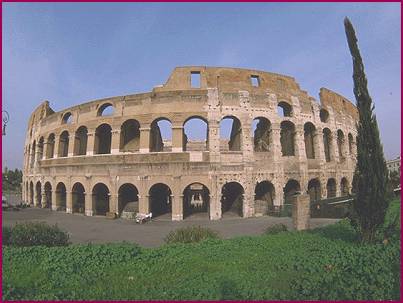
(371, 176)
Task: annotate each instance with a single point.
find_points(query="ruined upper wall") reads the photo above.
(41, 112)
(338, 103)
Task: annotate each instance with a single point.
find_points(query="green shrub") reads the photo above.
(190, 234)
(35, 233)
(6, 234)
(275, 229)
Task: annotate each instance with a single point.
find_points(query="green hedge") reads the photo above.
(190, 234)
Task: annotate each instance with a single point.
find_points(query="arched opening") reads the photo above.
(344, 188)
(63, 144)
(38, 193)
(106, 109)
(287, 138)
(48, 195)
(80, 141)
(195, 134)
(340, 144)
(290, 189)
(31, 193)
(33, 151)
(324, 115)
(264, 197)
(161, 135)
(284, 109)
(350, 144)
(130, 136)
(309, 139)
(327, 139)
(230, 134)
(103, 139)
(331, 188)
(196, 200)
(232, 199)
(61, 196)
(128, 199)
(261, 133)
(40, 148)
(314, 190)
(51, 146)
(67, 118)
(160, 200)
(100, 199)
(78, 198)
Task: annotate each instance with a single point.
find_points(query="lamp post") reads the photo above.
(6, 118)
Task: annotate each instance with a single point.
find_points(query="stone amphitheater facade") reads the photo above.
(282, 141)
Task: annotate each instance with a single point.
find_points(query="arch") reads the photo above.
(264, 197)
(340, 144)
(63, 144)
(51, 146)
(48, 195)
(67, 118)
(106, 109)
(290, 189)
(284, 109)
(287, 138)
(80, 141)
(232, 199)
(128, 198)
(314, 190)
(78, 198)
(230, 134)
(324, 115)
(38, 192)
(41, 143)
(100, 199)
(33, 150)
(309, 139)
(195, 134)
(196, 200)
(331, 188)
(262, 134)
(31, 193)
(161, 135)
(130, 136)
(350, 144)
(160, 199)
(61, 196)
(327, 139)
(103, 139)
(344, 187)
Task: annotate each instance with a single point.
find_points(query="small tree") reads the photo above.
(371, 175)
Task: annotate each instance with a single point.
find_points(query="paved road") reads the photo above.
(102, 230)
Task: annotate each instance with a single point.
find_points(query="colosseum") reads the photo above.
(263, 141)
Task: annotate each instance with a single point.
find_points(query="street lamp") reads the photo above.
(6, 118)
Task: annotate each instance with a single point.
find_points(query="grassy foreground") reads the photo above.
(324, 264)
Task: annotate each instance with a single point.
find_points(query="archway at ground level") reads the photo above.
(31, 193)
(314, 190)
(290, 189)
(160, 199)
(61, 196)
(232, 198)
(78, 198)
(38, 193)
(100, 199)
(196, 199)
(48, 195)
(331, 188)
(128, 198)
(344, 188)
(264, 197)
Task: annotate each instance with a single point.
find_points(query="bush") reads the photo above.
(190, 234)
(33, 234)
(275, 229)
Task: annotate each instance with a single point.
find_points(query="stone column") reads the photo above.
(56, 147)
(89, 205)
(69, 202)
(275, 142)
(115, 143)
(54, 199)
(215, 207)
(144, 204)
(45, 149)
(144, 139)
(177, 207)
(279, 195)
(177, 138)
(319, 145)
(90, 143)
(301, 211)
(44, 198)
(35, 196)
(334, 152)
(72, 139)
(113, 204)
(214, 140)
(300, 152)
(338, 188)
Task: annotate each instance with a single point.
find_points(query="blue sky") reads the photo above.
(71, 53)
